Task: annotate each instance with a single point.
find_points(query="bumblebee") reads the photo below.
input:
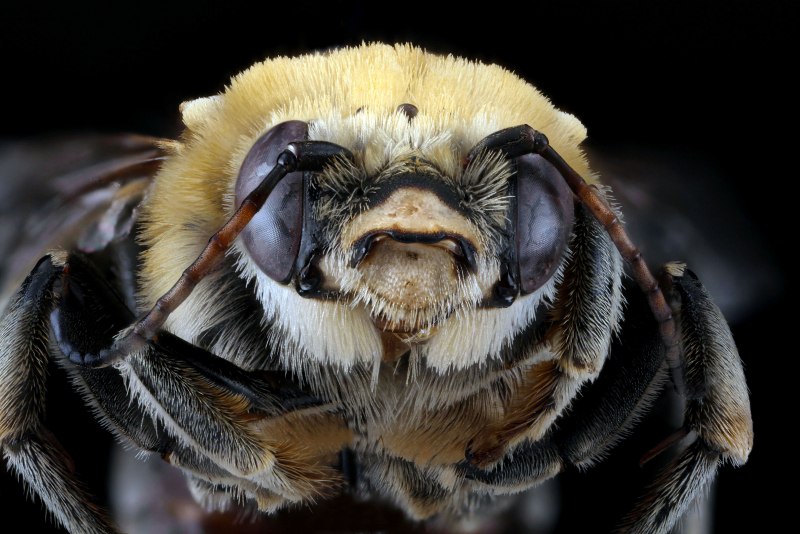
(373, 270)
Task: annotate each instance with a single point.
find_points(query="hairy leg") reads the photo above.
(717, 414)
(28, 447)
(215, 414)
(588, 308)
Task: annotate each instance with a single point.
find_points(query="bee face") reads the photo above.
(408, 242)
(409, 237)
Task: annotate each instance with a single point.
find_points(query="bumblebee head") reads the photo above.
(413, 232)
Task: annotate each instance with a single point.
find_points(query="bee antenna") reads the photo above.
(298, 156)
(521, 140)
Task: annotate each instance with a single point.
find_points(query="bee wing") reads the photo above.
(664, 198)
(79, 192)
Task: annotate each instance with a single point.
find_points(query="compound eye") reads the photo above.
(272, 238)
(545, 212)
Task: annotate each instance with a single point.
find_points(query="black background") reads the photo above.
(706, 79)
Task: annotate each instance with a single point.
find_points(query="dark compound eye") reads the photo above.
(545, 212)
(272, 238)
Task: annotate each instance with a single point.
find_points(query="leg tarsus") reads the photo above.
(673, 491)
(46, 468)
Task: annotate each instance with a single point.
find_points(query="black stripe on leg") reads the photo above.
(698, 333)
(196, 411)
(89, 312)
(272, 392)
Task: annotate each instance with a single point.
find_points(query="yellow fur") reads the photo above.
(459, 101)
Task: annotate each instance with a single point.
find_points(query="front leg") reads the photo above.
(28, 447)
(220, 419)
(718, 405)
(210, 407)
(587, 311)
(237, 419)
(599, 418)
(717, 414)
